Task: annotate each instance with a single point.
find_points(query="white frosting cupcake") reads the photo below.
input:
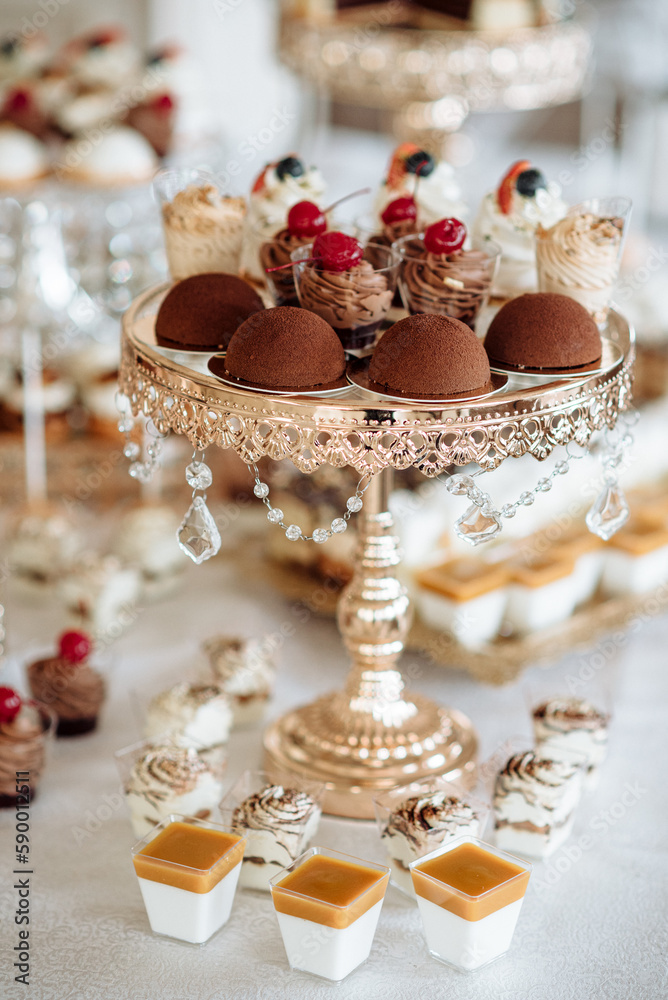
(23, 158)
(193, 715)
(115, 158)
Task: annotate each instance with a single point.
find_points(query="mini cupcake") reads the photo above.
(69, 685)
(24, 729)
(280, 186)
(510, 216)
(245, 670)
(192, 715)
(163, 779)
(279, 822)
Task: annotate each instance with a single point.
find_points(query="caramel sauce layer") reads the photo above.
(474, 871)
(463, 579)
(212, 852)
(339, 891)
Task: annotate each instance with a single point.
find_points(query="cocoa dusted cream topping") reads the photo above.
(539, 777)
(358, 297)
(166, 772)
(72, 691)
(280, 811)
(459, 280)
(425, 819)
(21, 749)
(570, 713)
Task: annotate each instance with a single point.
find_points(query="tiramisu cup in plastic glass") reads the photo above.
(416, 819)
(202, 226)
(580, 255)
(469, 896)
(327, 905)
(188, 871)
(354, 301)
(279, 819)
(456, 284)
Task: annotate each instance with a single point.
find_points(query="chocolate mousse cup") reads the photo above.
(276, 252)
(23, 751)
(354, 302)
(74, 693)
(455, 285)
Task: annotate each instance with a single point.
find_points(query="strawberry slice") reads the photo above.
(504, 194)
(260, 180)
(397, 171)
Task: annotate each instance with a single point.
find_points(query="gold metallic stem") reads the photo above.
(373, 734)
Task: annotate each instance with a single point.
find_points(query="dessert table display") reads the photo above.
(375, 734)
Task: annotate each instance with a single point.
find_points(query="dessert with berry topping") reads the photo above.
(22, 107)
(306, 221)
(203, 228)
(510, 216)
(68, 685)
(543, 331)
(279, 186)
(430, 356)
(202, 312)
(284, 348)
(24, 729)
(22, 55)
(104, 57)
(438, 275)
(431, 182)
(156, 119)
(348, 285)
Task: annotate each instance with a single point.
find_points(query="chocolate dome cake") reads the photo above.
(202, 312)
(429, 355)
(286, 347)
(543, 330)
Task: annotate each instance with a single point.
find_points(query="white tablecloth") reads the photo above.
(592, 926)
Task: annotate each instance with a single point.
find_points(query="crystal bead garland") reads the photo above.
(292, 531)
(141, 470)
(610, 510)
(198, 534)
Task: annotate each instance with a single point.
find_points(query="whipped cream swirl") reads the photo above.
(203, 231)
(347, 300)
(537, 790)
(73, 691)
(454, 284)
(282, 812)
(22, 743)
(163, 773)
(427, 820)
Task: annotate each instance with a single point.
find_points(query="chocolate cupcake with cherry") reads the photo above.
(24, 730)
(349, 285)
(439, 276)
(305, 222)
(68, 685)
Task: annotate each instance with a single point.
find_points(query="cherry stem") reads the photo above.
(282, 267)
(340, 201)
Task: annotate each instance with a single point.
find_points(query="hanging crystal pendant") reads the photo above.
(459, 484)
(608, 512)
(475, 527)
(198, 535)
(199, 476)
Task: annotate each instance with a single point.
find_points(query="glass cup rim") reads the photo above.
(623, 201)
(477, 243)
(376, 246)
(526, 866)
(138, 847)
(383, 871)
(183, 177)
(389, 798)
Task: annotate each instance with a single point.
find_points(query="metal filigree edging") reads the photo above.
(353, 430)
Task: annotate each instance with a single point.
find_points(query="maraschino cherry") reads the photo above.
(445, 236)
(305, 219)
(399, 210)
(74, 647)
(335, 251)
(10, 705)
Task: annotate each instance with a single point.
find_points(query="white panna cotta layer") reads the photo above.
(531, 843)
(189, 916)
(473, 623)
(467, 944)
(329, 952)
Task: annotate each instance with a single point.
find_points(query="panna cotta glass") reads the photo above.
(188, 871)
(469, 896)
(416, 819)
(327, 905)
(278, 819)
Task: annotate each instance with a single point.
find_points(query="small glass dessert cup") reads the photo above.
(580, 255)
(279, 819)
(355, 301)
(25, 739)
(188, 871)
(469, 896)
(456, 284)
(202, 227)
(415, 819)
(327, 905)
(276, 252)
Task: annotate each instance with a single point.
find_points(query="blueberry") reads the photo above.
(8, 46)
(529, 181)
(421, 163)
(291, 166)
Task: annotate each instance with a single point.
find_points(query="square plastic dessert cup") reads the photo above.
(323, 938)
(468, 930)
(389, 801)
(269, 855)
(188, 902)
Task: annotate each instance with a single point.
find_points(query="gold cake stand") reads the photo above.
(431, 80)
(374, 733)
